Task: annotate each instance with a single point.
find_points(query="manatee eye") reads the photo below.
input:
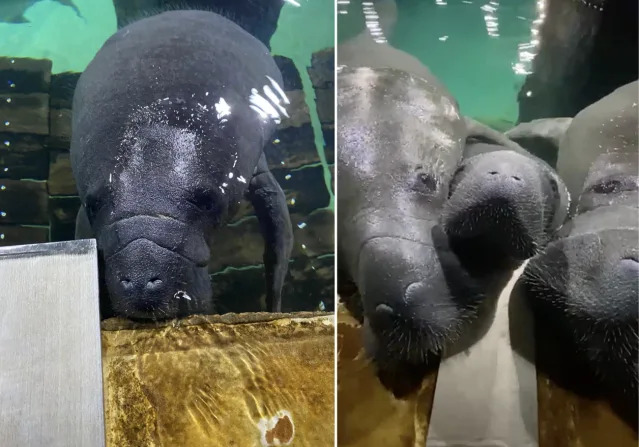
(427, 180)
(608, 187)
(203, 200)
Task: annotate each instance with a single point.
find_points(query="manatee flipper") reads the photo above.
(269, 203)
(83, 228)
(480, 133)
(541, 137)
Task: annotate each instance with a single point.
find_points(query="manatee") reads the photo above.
(12, 11)
(400, 138)
(504, 203)
(583, 287)
(608, 125)
(541, 137)
(169, 124)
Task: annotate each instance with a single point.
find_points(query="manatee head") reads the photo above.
(153, 212)
(501, 207)
(584, 291)
(416, 299)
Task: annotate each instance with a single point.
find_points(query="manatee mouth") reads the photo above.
(148, 282)
(418, 304)
(155, 268)
(491, 228)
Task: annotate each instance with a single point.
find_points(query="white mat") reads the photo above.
(487, 396)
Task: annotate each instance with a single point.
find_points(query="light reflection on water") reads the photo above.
(481, 49)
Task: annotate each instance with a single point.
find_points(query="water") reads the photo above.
(480, 49)
(38, 196)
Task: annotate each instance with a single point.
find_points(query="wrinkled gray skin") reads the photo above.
(159, 164)
(504, 203)
(609, 125)
(584, 285)
(400, 139)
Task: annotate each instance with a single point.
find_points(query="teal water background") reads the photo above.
(475, 47)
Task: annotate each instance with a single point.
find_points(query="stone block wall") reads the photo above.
(39, 202)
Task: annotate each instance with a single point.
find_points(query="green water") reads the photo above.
(298, 41)
(474, 51)
(56, 32)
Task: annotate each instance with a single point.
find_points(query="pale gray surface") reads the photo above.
(487, 395)
(50, 352)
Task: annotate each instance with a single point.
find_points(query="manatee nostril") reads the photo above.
(493, 173)
(514, 177)
(126, 283)
(384, 309)
(154, 283)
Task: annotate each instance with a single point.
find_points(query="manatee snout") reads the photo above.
(585, 290)
(500, 203)
(414, 300)
(155, 268)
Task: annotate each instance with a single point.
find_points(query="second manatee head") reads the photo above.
(502, 207)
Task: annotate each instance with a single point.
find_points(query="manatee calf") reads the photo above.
(169, 124)
(400, 138)
(584, 286)
(503, 205)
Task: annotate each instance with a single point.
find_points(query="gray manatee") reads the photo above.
(504, 203)
(541, 137)
(400, 138)
(584, 286)
(169, 124)
(609, 125)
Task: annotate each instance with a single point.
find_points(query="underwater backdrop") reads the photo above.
(44, 47)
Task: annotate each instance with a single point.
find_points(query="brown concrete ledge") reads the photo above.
(235, 380)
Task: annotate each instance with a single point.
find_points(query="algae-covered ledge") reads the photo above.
(236, 379)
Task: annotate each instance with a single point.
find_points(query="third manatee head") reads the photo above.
(502, 207)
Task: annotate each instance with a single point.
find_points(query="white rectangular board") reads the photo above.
(50, 351)
(486, 396)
